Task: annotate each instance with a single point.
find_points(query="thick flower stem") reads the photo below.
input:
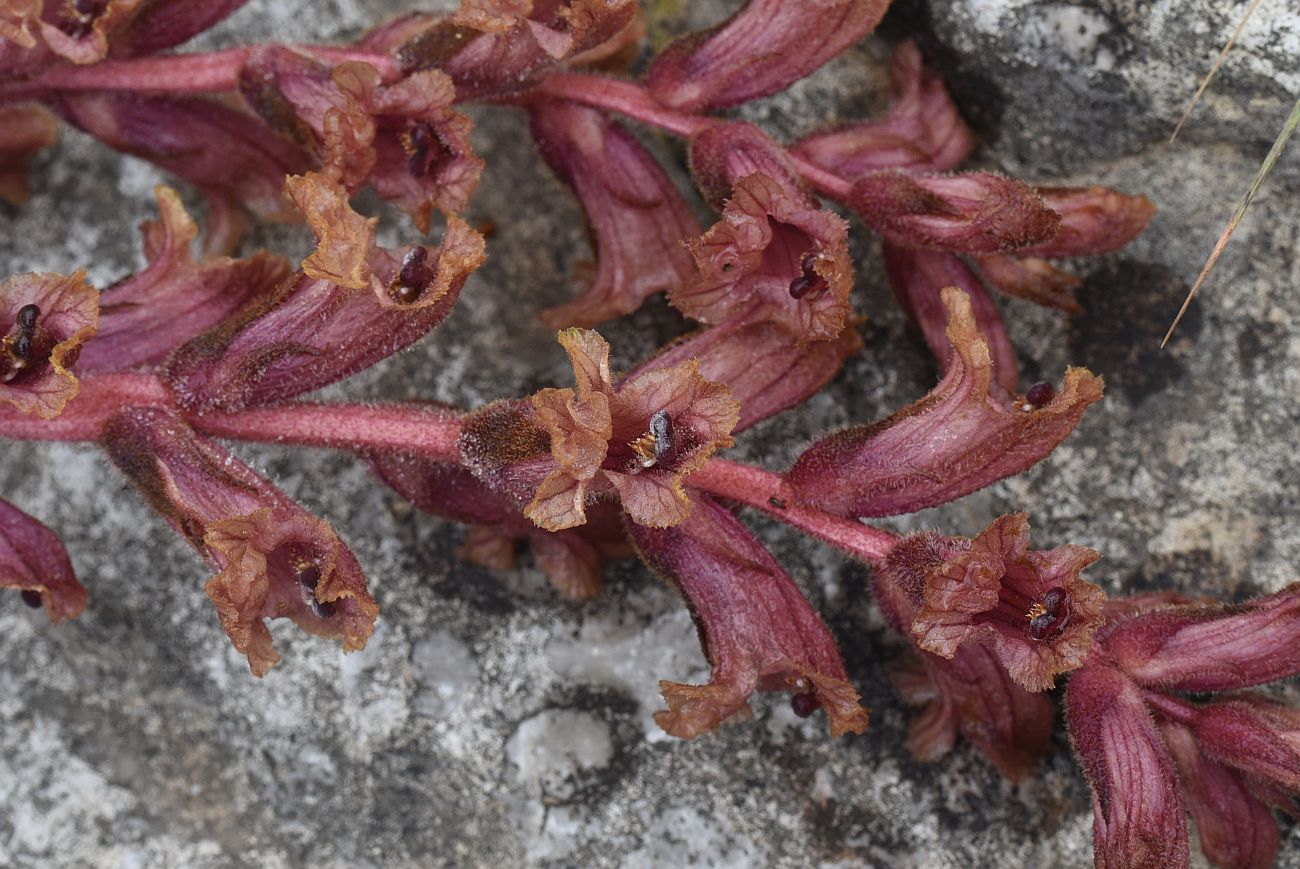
(762, 489)
(634, 101)
(424, 430)
(99, 397)
(624, 97)
(206, 72)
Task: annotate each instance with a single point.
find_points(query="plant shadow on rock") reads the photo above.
(1127, 307)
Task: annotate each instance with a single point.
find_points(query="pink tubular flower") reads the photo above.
(959, 438)
(1030, 607)
(773, 256)
(977, 212)
(758, 631)
(33, 561)
(1236, 754)
(273, 558)
(403, 139)
(35, 34)
(970, 694)
(766, 46)
(366, 303)
(923, 130)
(640, 440)
(636, 217)
(44, 321)
(229, 155)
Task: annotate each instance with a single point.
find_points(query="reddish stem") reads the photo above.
(206, 72)
(100, 396)
(1170, 707)
(634, 101)
(426, 430)
(763, 490)
(626, 98)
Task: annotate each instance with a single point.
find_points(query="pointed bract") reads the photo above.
(918, 279)
(1138, 813)
(957, 439)
(144, 317)
(763, 48)
(637, 220)
(33, 561)
(44, 321)
(756, 628)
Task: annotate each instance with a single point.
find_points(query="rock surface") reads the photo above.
(489, 723)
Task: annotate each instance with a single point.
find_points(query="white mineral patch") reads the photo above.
(684, 836)
(445, 672)
(633, 656)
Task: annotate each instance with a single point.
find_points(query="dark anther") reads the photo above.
(22, 348)
(661, 427)
(776, 502)
(808, 281)
(418, 142)
(32, 597)
(1040, 394)
(1050, 615)
(92, 8)
(323, 609)
(309, 576)
(804, 704)
(27, 315)
(412, 276)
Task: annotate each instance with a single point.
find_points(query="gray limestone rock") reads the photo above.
(489, 723)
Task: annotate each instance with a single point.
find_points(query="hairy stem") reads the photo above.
(425, 430)
(762, 489)
(99, 397)
(634, 101)
(204, 72)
